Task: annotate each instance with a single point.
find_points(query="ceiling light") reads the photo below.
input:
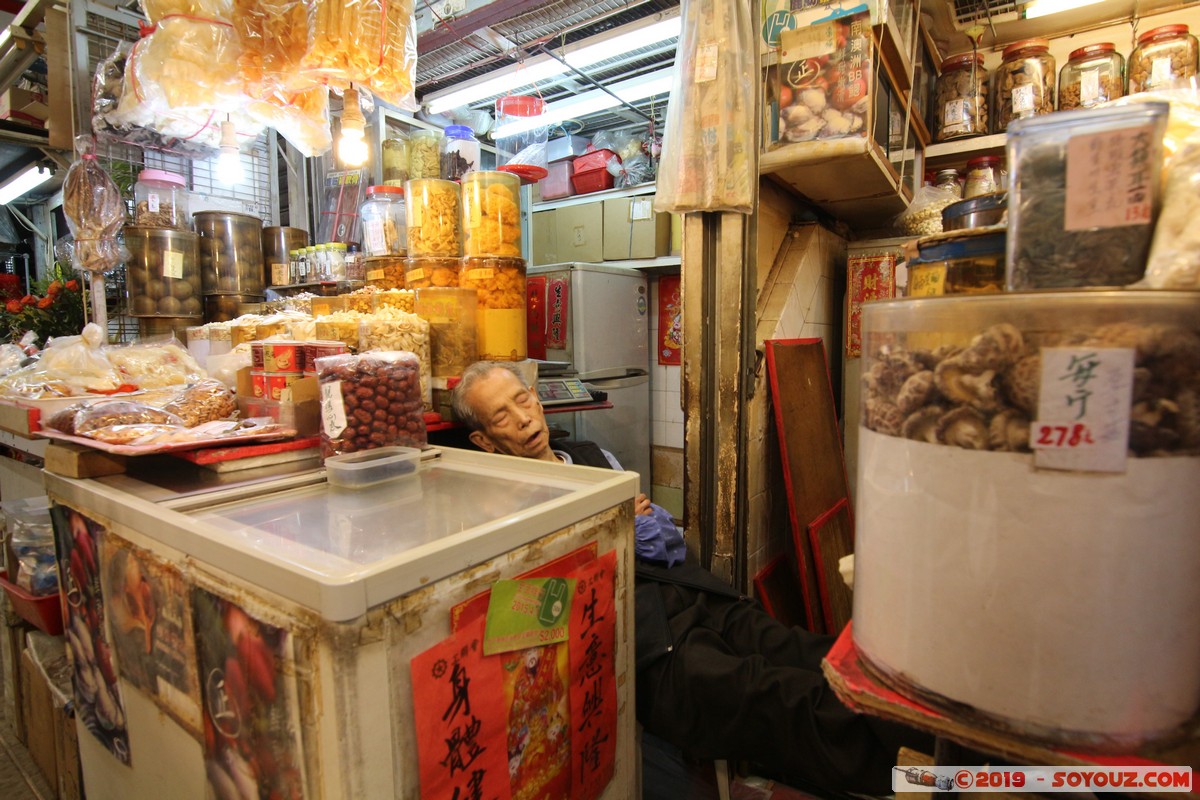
(229, 162)
(352, 145)
(630, 91)
(1042, 8)
(23, 182)
(542, 68)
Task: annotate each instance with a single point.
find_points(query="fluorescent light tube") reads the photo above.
(1042, 8)
(630, 91)
(31, 178)
(542, 68)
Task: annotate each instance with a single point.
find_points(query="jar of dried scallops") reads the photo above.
(1023, 84)
(961, 98)
(500, 319)
(433, 218)
(385, 272)
(421, 273)
(424, 154)
(491, 214)
(1165, 58)
(1093, 74)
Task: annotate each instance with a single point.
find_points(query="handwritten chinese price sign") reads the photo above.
(1109, 179)
(1083, 409)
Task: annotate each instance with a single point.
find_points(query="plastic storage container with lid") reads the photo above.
(451, 314)
(985, 174)
(383, 217)
(371, 467)
(434, 211)
(1165, 58)
(948, 486)
(557, 183)
(424, 154)
(491, 214)
(426, 271)
(162, 275)
(1092, 74)
(231, 254)
(960, 262)
(960, 103)
(384, 272)
(1082, 215)
(501, 288)
(395, 159)
(521, 137)
(459, 153)
(1023, 84)
(162, 200)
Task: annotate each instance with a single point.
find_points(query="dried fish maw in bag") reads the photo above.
(158, 10)
(370, 43)
(302, 119)
(190, 63)
(273, 37)
(95, 211)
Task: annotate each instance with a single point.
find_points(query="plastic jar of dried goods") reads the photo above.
(947, 179)
(424, 154)
(395, 159)
(961, 98)
(1023, 84)
(383, 215)
(1092, 74)
(984, 176)
(500, 317)
(460, 152)
(162, 200)
(433, 218)
(491, 214)
(1165, 58)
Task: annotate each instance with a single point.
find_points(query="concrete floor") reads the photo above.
(20, 778)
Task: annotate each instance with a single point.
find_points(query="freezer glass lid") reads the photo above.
(307, 526)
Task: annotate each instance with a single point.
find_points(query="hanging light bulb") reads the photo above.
(229, 162)
(352, 146)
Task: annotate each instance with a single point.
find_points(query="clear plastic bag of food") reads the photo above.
(92, 417)
(37, 573)
(188, 63)
(709, 140)
(151, 364)
(372, 43)
(370, 400)
(204, 401)
(138, 433)
(301, 117)
(69, 366)
(923, 217)
(632, 171)
(156, 10)
(95, 211)
(393, 329)
(273, 37)
(1174, 261)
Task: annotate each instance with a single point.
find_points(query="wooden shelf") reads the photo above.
(608, 194)
(850, 178)
(956, 153)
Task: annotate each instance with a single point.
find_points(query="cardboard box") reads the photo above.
(302, 411)
(12, 644)
(39, 718)
(545, 237)
(580, 232)
(632, 229)
(80, 461)
(22, 105)
(46, 682)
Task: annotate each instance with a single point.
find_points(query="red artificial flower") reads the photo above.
(28, 300)
(72, 285)
(13, 306)
(45, 302)
(54, 288)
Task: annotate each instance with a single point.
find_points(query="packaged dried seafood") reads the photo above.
(201, 402)
(188, 62)
(372, 43)
(154, 364)
(95, 211)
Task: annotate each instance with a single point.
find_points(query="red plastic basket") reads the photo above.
(594, 180)
(43, 612)
(597, 159)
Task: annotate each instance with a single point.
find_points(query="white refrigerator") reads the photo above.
(596, 320)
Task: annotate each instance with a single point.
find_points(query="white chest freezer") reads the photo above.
(258, 639)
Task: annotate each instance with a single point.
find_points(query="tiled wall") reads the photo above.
(797, 300)
(666, 423)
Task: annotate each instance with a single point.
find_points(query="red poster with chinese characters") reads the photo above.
(535, 317)
(462, 720)
(593, 678)
(869, 278)
(670, 321)
(558, 303)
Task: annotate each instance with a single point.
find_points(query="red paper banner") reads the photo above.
(670, 321)
(558, 297)
(535, 317)
(593, 677)
(869, 278)
(462, 722)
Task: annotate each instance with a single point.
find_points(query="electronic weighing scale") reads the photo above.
(561, 391)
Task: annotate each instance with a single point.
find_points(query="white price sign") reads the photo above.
(1083, 409)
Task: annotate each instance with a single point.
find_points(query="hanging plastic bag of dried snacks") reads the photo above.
(95, 211)
(372, 43)
(707, 159)
(189, 63)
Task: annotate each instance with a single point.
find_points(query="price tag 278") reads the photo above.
(1050, 435)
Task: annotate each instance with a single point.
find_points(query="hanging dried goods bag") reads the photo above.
(95, 211)
(372, 43)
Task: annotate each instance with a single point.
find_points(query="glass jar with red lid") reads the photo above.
(1023, 84)
(1093, 74)
(1165, 58)
(960, 99)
